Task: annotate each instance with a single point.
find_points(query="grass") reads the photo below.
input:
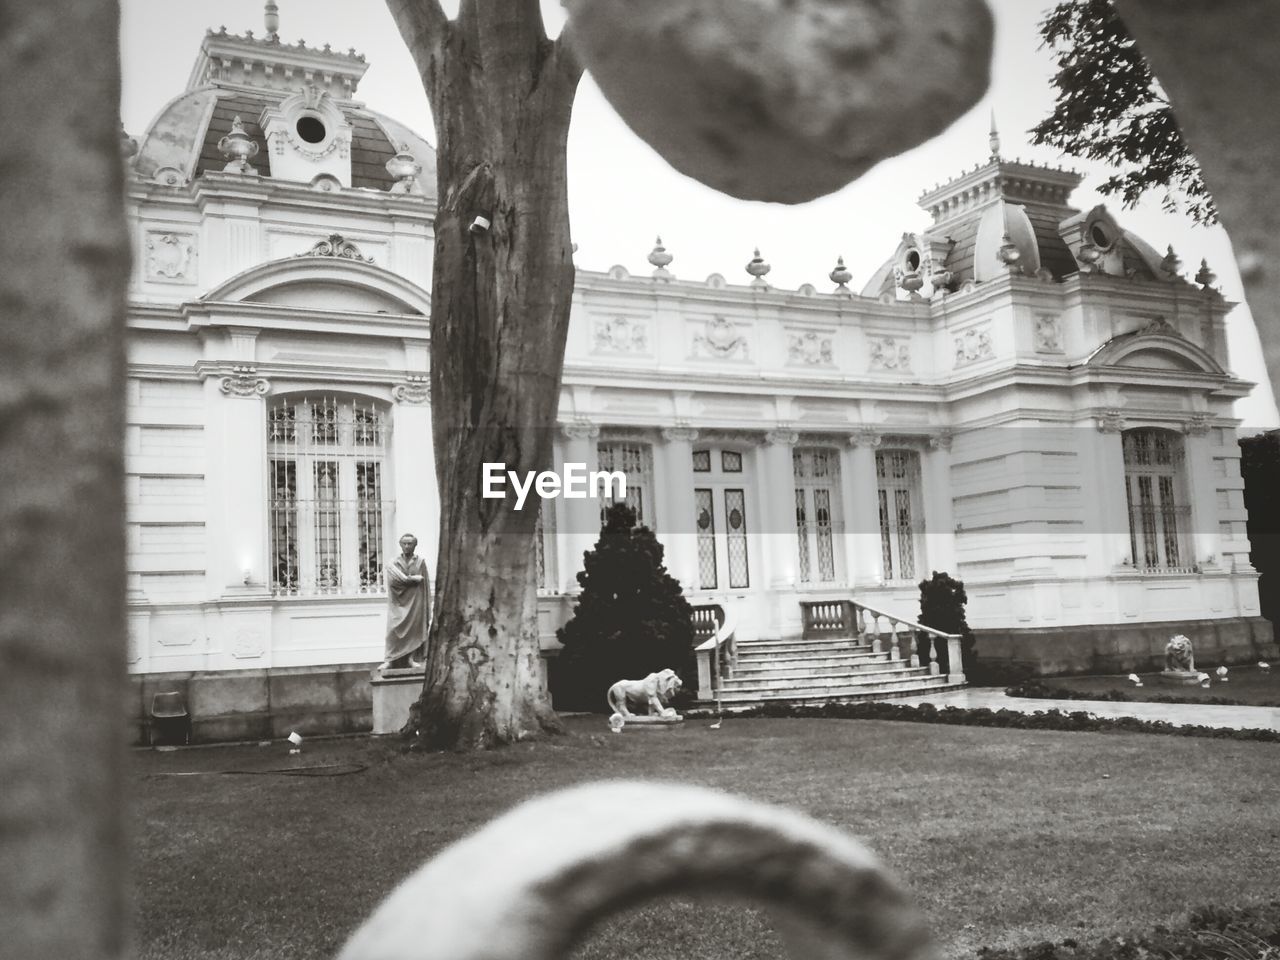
(1247, 684)
(1005, 837)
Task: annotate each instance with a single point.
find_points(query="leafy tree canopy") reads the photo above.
(1110, 108)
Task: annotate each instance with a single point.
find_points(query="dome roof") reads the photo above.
(1012, 217)
(254, 80)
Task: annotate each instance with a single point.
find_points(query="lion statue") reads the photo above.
(651, 694)
(1178, 655)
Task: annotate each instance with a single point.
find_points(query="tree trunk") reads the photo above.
(501, 95)
(65, 256)
(1217, 62)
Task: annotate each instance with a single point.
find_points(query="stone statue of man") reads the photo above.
(408, 607)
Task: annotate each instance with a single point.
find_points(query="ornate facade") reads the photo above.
(1025, 395)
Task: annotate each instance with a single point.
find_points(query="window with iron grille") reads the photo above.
(635, 461)
(544, 538)
(817, 480)
(901, 519)
(328, 510)
(1159, 514)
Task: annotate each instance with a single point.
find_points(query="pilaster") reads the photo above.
(582, 517)
(939, 517)
(859, 487)
(417, 492)
(673, 473)
(777, 490)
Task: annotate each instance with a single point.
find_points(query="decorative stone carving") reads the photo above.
(621, 335)
(335, 245)
(580, 430)
(1197, 426)
(415, 389)
(244, 382)
(650, 694)
(810, 348)
(1110, 421)
(248, 644)
(782, 435)
(889, 353)
(170, 256)
(758, 269)
(237, 148)
(940, 440)
(660, 259)
(1159, 327)
(406, 169)
(1180, 662)
(973, 345)
(1048, 333)
(865, 438)
(720, 338)
(679, 434)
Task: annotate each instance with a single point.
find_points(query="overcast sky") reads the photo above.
(622, 194)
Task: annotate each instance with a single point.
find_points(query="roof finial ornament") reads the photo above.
(1205, 277)
(993, 138)
(758, 269)
(841, 276)
(660, 259)
(271, 19)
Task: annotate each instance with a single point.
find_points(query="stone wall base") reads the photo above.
(259, 704)
(1126, 647)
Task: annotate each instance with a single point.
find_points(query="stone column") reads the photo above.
(777, 490)
(674, 482)
(858, 484)
(581, 517)
(236, 436)
(413, 465)
(939, 519)
(1202, 492)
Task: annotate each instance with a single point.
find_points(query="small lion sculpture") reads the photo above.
(1178, 655)
(651, 694)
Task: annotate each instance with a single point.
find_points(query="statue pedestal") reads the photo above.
(1181, 678)
(647, 722)
(394, 692)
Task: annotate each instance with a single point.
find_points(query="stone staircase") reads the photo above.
(848, 652)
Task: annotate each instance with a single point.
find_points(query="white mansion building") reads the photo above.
(1026, 396)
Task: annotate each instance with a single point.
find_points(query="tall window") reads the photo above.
(544, 539)
(328, 512)
(1159, 515)
(635, 459)
(901, 519)
(817, 485)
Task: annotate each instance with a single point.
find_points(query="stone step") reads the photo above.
(762, 685)
(776, 647)
(867, 690)
(756, 663)
(802, 669)
(927, 686)
(758, 659)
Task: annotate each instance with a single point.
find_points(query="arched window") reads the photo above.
(817, 491)
(901, 519)
(1155, 493)
(329, 515)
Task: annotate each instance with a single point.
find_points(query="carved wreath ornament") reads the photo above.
(531, 883)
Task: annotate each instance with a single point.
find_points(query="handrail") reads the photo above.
(837, 618)
(715, 656)
(909, 624)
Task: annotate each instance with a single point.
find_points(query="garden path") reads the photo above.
(1179, 714)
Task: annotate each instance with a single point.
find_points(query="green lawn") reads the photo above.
(1006, 836)
(1247, 684)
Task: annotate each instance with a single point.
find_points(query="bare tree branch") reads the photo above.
(566, 56)
(425, 30)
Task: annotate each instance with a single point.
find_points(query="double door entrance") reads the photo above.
(720, 519)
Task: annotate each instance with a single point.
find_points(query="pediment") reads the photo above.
(330, 295)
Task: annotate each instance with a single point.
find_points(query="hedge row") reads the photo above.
(1039, 690)
(983, 717)
(1211, 933)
